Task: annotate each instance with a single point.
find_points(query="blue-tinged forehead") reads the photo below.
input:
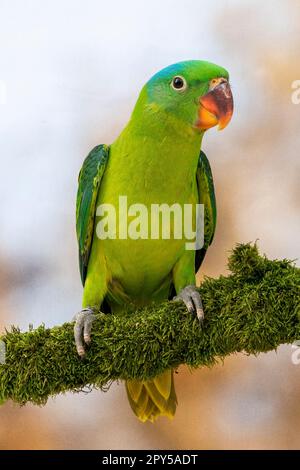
(191, 70)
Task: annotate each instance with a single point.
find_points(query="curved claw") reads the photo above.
(82, 329)
(192, 300)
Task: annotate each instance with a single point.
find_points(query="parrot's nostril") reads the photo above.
(217, 81)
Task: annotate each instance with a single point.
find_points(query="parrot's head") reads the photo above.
(195, 92)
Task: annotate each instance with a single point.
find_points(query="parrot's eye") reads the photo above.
(179, 83)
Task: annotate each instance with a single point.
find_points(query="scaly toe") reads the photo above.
(82, 329)
(192, 300)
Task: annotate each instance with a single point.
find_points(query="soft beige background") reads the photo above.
(72, 71)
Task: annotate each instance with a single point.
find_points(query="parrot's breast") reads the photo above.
(147, 175)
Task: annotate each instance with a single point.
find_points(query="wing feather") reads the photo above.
(207, 197)
(89, 182)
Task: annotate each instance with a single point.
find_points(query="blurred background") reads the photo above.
(70, 72)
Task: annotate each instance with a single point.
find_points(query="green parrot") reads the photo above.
(157, 159)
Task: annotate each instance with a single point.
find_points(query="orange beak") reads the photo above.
(216, 107)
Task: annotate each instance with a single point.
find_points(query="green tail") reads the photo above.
(153, 398)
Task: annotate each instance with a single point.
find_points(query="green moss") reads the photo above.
(254, 309)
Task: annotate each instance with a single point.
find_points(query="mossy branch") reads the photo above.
(254, 309)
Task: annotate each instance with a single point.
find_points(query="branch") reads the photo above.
(254, 309)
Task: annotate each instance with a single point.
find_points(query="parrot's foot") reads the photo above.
(83, 328)
(191, 297)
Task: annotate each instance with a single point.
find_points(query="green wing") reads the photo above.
(206, 197)
(89, 181)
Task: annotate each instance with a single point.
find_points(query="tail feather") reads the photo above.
(172, 403)
(163, 384)
(134, 389)
(149, 413)
(156, 397)
(153, 398)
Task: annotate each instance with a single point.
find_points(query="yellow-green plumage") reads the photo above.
(153, 398)
(155, 160)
